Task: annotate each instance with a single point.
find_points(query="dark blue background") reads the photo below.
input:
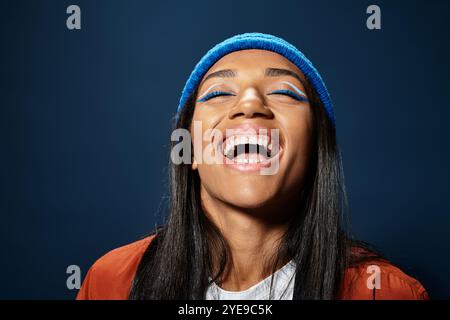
(85, 123)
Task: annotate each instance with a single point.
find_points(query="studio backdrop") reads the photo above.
(86, 108)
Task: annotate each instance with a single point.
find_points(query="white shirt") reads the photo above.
(283, 287)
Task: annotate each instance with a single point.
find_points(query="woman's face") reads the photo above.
(249, 91)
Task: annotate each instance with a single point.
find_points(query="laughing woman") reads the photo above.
(234, 232)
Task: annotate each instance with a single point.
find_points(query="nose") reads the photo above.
(250, 105)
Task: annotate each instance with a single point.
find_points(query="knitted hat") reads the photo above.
(264, 42)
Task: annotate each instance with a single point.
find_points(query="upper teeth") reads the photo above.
(232, 142)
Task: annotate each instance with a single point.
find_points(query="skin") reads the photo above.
(253, 210)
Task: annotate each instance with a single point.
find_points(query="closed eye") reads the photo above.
(291, 94)
(214, 94)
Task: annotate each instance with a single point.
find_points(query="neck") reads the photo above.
(253, 237)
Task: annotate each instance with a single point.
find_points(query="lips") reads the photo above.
(249, 147)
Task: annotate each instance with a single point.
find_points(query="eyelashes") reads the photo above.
(214, 94)
(291, 94)
(288, 93)
(285, 92)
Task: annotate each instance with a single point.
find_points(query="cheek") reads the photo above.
(208, 113)
(297, 123)
(300, 136)
(199, 128)
(204, 120)
(298, 129)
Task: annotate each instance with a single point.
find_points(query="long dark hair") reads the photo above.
(178, 262)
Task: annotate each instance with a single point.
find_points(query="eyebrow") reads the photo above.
(269, 72)
(225, 73)
(275, 72)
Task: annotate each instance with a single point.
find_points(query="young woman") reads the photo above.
(234, 232)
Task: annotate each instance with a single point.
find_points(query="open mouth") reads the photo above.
(248, 151)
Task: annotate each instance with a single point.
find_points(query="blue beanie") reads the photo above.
(264, 42)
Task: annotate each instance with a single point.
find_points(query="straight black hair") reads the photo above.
(178, 262)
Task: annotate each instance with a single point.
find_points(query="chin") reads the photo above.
(250, 199)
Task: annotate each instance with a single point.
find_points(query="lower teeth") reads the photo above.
(251, 160)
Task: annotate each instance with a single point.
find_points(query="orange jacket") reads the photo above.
(111, 276)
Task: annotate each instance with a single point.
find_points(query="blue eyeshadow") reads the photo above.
(214, 94)
(291, 94)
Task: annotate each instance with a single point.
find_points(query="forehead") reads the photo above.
(253, 59)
